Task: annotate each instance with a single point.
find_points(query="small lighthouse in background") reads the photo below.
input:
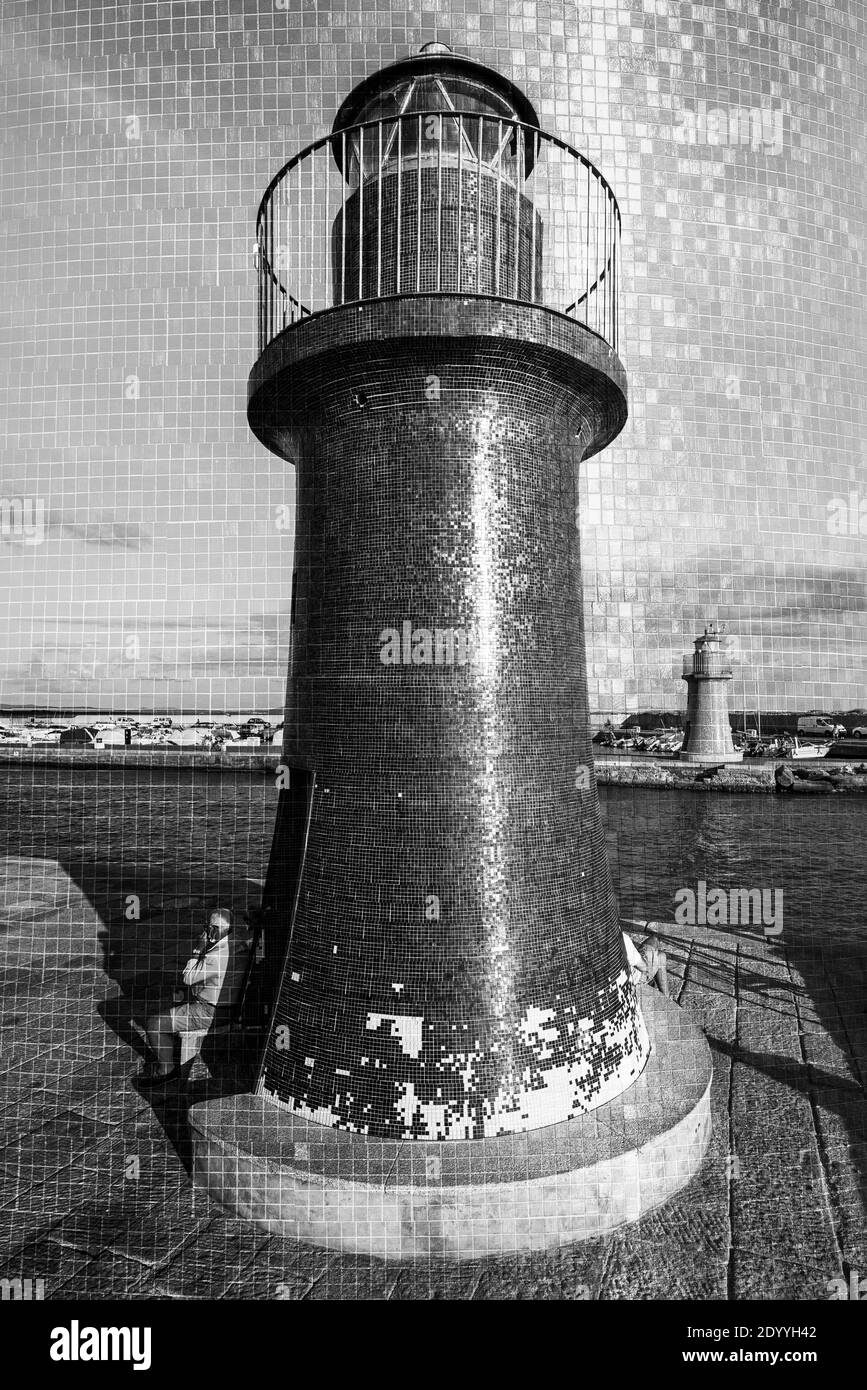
(708, 735)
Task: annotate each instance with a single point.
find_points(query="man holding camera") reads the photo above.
(213, 980)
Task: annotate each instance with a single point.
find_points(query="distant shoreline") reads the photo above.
(629, 771)
(53, 755)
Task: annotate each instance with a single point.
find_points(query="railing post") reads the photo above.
(587, 258)
(479, 205)
(439, 128)
(328, 278)
(533, 218)
(418, 144)
(270, 268)
(518, 144)
(259, 334)
(343, 204)
(607, 262)
(379, 211)
(499, 201)
(399, 199)
(596, 255)
(301, 295)
(460, 123)
(613, 271)
(361, 213)
(296, 174)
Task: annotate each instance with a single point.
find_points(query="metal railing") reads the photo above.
(438, 202)
(707, 664)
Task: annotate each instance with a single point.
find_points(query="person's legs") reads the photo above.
(662, 974)
(160, 1030)
(194, 1017)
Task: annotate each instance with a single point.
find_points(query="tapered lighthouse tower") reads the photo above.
(438, 326)
(707, 672)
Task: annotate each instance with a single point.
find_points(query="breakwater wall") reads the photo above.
(813, 778)
(816, 777)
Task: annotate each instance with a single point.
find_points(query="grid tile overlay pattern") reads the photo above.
(137, 142)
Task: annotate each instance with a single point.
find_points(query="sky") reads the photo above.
(146, 536)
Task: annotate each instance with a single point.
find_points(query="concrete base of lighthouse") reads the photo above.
(464, 1199)
(710, 759)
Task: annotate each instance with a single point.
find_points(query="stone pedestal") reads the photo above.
(565, 1182)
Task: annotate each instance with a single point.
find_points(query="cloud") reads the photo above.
(115, 535)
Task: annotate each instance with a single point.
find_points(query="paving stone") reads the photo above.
(351, 1277)
(88, 1229)
(571, 1272)
(34, 1162)
(435, 1280)
(786, 1273)
(87, 1169)
(206, 1267)
(681, 1250)
(779, 1224)
(43, 1258)
(19, 1228)
(840, 1116)
(154, 1237)
(109, 1276)
(286, 1270)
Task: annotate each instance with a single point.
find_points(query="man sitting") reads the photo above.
(214, 978)
(649, 964)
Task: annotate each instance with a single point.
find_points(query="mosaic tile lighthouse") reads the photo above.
(438, 324)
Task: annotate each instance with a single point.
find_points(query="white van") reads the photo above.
(817, 724)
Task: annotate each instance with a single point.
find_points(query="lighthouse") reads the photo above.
(438, 321)
(707, 671)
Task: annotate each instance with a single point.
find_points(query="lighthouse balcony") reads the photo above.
(706, 664)
(437, 202)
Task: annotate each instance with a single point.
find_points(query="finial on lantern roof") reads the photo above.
(433, 78)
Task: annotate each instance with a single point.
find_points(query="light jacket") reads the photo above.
(218, 978)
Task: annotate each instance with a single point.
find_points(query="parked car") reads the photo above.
(258, 729)
(817, 724)
(860, 731)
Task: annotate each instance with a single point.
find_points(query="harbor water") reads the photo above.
(173, 835)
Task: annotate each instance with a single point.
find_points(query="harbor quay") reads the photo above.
(97, 1198)
(841, 774)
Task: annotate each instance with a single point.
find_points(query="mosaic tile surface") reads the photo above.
(455, 968)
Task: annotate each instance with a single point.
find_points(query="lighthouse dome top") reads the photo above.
(434, 79)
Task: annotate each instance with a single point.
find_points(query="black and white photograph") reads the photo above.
(433, 697)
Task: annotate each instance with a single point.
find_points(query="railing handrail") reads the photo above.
(706, 664)
(350, 166)
(344, 134)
